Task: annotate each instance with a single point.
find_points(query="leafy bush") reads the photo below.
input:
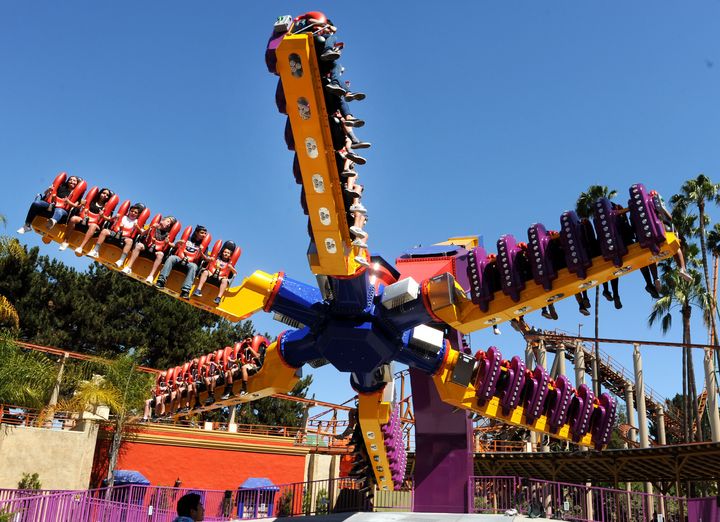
(29, 481)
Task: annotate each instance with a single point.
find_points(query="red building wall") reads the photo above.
(202, 459)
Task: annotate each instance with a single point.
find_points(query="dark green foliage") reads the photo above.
(277, 412)
(26, 378)
(30, 481)
(104, 313)
(285, 504)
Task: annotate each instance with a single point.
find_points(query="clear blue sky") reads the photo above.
(484, 118)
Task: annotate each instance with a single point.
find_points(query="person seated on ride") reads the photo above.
(211, 377)
(190, 251)
(177, 387)
(664, 215)
(328, 51)
(188, 388)
(220, 269)
(158, 237)
(250, 363)
(91, 213)
(129, 228)
(230, 368)
(161, 393)
(194, 383)
(55, 201)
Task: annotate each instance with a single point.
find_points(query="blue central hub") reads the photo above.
(347, 326)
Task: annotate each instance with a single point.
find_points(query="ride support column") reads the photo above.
(444, 440)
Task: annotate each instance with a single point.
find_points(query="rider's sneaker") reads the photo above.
(63, 246)
(23, 229)
(358, 232)
(351, 96)
(127, 270)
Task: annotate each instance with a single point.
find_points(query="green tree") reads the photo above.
(699, 192)
(30, 481)
(584, 207)
(122, 389)
(277, 412)
(102, 312)
(10, 250)
(681, 295)
(26, 378)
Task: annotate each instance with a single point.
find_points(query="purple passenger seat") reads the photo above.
(508, 265)
(280, 100)
(539, 253)
(513, 385)
(536, 391)
(296, 170)
(559, 403)
(276, 37)
(488, 375)
(289, 138)
(608, 232)
(649, 229)
(480, 286)
(603, 421)
(580, 414)
(577, 256)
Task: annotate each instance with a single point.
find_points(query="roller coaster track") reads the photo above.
(615, 377)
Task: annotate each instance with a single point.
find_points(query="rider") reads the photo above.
(59, 205)
(93, 214)
(221, 269)
(128, 230)
(157, 236)
(190, 251)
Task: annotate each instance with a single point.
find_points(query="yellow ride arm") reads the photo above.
(332, 252)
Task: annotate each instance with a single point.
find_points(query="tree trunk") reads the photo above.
(685, 409)
(692, 399)
(114, 450)
(703, 251)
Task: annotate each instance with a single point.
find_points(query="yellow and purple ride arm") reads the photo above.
(300, 96)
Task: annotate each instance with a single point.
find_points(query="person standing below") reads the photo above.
(190, 508)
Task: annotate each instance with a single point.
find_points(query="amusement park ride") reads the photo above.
(366, 313)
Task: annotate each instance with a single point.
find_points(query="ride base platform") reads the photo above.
(408, 517)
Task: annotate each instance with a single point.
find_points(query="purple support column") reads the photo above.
(443, 450)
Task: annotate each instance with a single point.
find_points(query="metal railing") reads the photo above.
(576, 502)
(35, 418)
(143, 503)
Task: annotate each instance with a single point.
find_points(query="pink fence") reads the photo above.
(572, 501)
(157, 504)
(559, 500)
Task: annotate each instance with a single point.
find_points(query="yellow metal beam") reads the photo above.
(297, 66)
(238, 303)
(463, 397)
(372, 414)
(459, 312)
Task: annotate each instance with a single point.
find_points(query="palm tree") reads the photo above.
(25, 377)
(678, 294)
(122, 389)
(9, 247)
(584, 207)
(698, 192)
